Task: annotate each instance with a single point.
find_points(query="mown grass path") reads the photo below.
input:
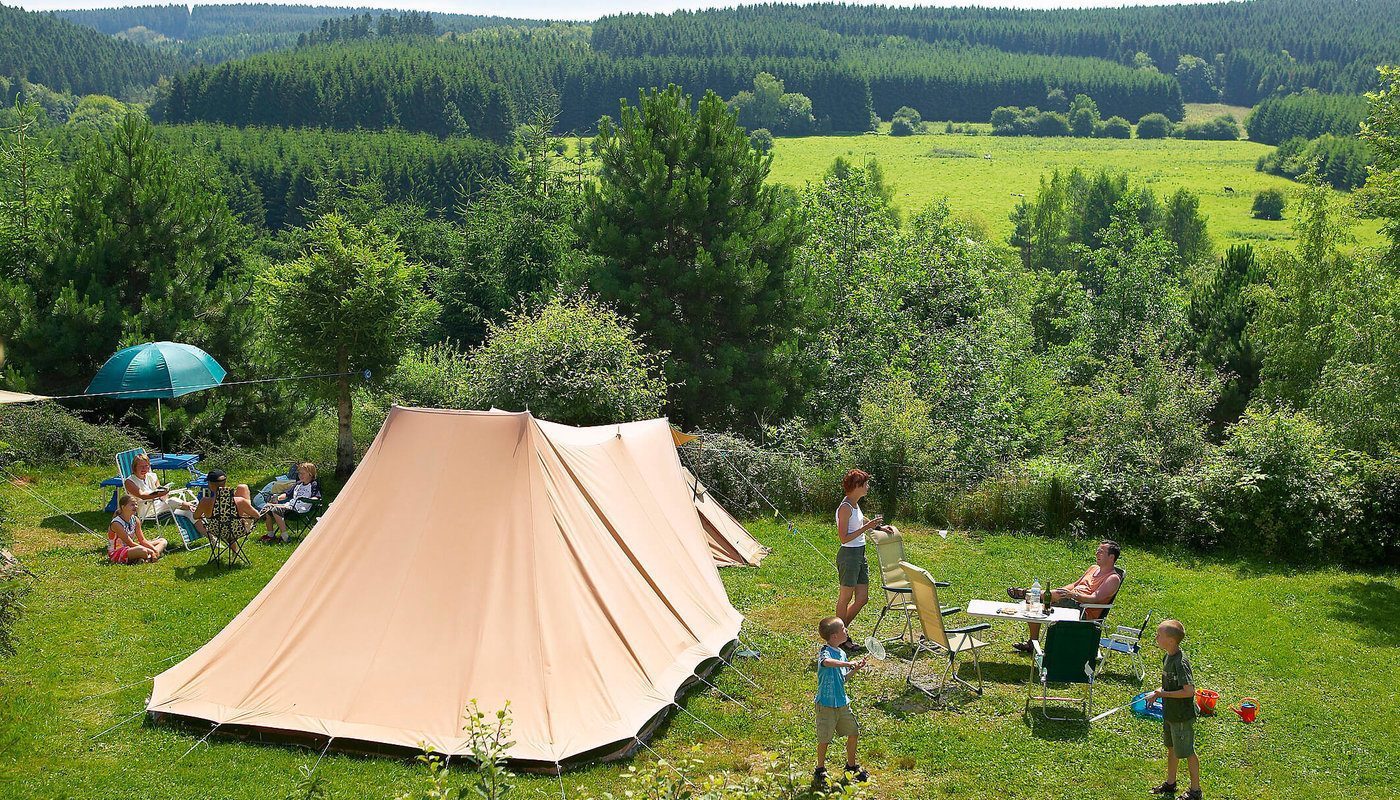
(924, 168)
(1319, 647)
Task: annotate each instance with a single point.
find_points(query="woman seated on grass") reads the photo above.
(126, 542)
(298, 499)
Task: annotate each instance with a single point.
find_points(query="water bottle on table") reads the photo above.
(1033, 598)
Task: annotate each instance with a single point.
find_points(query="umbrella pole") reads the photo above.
(160, 425)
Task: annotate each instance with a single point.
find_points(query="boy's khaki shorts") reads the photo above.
(833, 721)
(1180, 737)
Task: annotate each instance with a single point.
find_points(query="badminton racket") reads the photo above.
(875, 648)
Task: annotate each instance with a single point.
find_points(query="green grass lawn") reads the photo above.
(1319, 648)
(924, 168)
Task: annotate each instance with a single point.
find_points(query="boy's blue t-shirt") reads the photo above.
(831, 681)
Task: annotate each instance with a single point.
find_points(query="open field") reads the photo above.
(923, 168)
(1320, 649)
(1200, 112)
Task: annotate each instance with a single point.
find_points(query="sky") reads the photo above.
(568, 9)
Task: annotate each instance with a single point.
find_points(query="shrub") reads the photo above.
(14, 585)
(1037, 496)
(1115, 128)
(47, 433)
(906, 122)
(1279, 487)
(574, 361)
(1082, 122)
(1154, 126)
(1223, 128)
(1269, 204)
(1379, 540)
(761, 139)
(895, 440)
(1051, 123)
(745, 477)
(437, 376)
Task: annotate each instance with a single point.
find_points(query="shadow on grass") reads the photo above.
(1371, 605)
(207, 570)
(1051, 730)
(59, 523)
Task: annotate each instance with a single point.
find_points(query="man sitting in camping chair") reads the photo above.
(226, 516)
(1094, 592)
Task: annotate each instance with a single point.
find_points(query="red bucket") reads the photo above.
(1206, 700)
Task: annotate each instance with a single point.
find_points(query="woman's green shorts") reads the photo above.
(851, 566)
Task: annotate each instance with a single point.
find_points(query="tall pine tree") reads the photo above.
(698, 248)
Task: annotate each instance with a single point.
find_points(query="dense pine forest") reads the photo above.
(46, 50)
(450, 74)
(213, 34)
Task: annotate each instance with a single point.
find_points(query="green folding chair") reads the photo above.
(1070, 656)
(899, 595)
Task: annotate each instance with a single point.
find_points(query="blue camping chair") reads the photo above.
(189, 533)
(159, 461)
(1127, 640)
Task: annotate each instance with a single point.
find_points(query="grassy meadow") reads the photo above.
(1319, 648)
(933, 165)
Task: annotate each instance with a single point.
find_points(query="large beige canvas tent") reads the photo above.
(485, 556)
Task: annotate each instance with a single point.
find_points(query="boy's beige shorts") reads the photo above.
(835, 721)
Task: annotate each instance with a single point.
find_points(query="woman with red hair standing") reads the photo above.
(851, 565)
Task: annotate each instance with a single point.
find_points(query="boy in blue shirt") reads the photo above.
(833, 707)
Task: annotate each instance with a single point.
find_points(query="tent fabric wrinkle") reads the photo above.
(484, 556)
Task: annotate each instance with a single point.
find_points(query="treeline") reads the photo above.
(219, 33)
(1253, 49)
(961, 83)
(344, 29)
(273, 174)
(1341, 161)
(199, 21)
(445, 88)
(41, 48)
(429, 86)
(1308, 115)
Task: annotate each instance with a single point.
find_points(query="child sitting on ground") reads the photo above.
(1178, 695)
(126, 541)
(833, 707)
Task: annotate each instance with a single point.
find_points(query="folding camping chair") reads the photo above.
(1127, 640)
(1070, 656)
(189, 532)
(274, 487)
(936, 638)
(227, 531)
(899, 595)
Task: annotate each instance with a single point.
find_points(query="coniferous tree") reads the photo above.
(145, 243)
(698, 248)
(1220, 314)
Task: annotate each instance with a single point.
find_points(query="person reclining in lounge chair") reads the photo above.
(143, 485)
(1099, 584)
(298, 499)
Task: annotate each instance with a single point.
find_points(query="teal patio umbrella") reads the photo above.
(157, 370)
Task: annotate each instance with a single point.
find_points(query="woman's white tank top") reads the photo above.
(856, 521)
